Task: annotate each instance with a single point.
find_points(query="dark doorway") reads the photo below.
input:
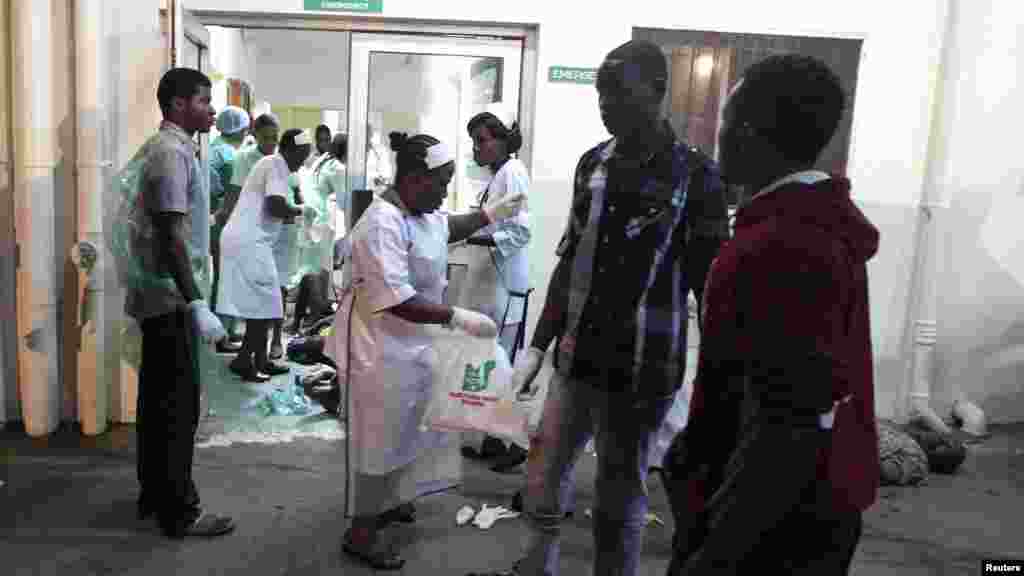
(704, 66)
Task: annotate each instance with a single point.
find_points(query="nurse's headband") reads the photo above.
(302, 139)
(438, 155)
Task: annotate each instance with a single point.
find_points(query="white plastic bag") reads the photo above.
(473, 389)
(674, 423)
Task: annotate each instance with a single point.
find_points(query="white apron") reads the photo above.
(390, 362)
(493, 272)
(285, 252)
(249, 287)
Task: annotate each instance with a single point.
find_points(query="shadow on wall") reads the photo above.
(981, 304)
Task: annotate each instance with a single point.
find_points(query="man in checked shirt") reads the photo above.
(647, 217)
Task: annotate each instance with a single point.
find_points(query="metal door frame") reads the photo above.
(527, 33)
(364, 45)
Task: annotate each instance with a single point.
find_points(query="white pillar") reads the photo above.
(93, 172)
(922, 326)
(8, 357)
(34, 152)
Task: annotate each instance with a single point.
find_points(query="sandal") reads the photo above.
(376, 558)
(228, 347)
(205, 526)
(249, 374)
(275, 369)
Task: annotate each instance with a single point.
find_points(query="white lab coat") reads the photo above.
(493, 272)
(286, 248)
(249, 286)
(394, 256)
(245, 159)
(329, 186)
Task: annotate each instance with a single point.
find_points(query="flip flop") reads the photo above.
(205, 526)
(210, 525)
(256, 377)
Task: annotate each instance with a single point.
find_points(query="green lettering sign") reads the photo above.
(572, 75)
(374, 6)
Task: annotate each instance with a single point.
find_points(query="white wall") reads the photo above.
(299, 68)
(981, 265)
(888, 159)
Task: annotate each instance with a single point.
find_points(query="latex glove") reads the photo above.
(474, 323)
(464, 515)
(505, 207)
(208, 326)
(523, 381)
(488, 516)
(309, 212)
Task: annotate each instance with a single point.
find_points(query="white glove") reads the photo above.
(506, 207)
(523, 381)
(208, 326)
(473, 323)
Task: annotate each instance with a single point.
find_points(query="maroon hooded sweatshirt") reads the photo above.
(793, 281)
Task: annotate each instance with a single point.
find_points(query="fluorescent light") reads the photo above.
(705, 64)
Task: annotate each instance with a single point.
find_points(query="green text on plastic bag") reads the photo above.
(472, 380)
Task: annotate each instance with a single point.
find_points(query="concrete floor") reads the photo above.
(68, 502)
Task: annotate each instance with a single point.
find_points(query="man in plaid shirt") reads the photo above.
(618, 301)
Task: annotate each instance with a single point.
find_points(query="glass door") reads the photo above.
(425, 84)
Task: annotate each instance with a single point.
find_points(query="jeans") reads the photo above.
(623, 428)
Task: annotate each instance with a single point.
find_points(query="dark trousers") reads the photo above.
(772, 512)
(215, 233)
(313, 297)
(167, 420)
